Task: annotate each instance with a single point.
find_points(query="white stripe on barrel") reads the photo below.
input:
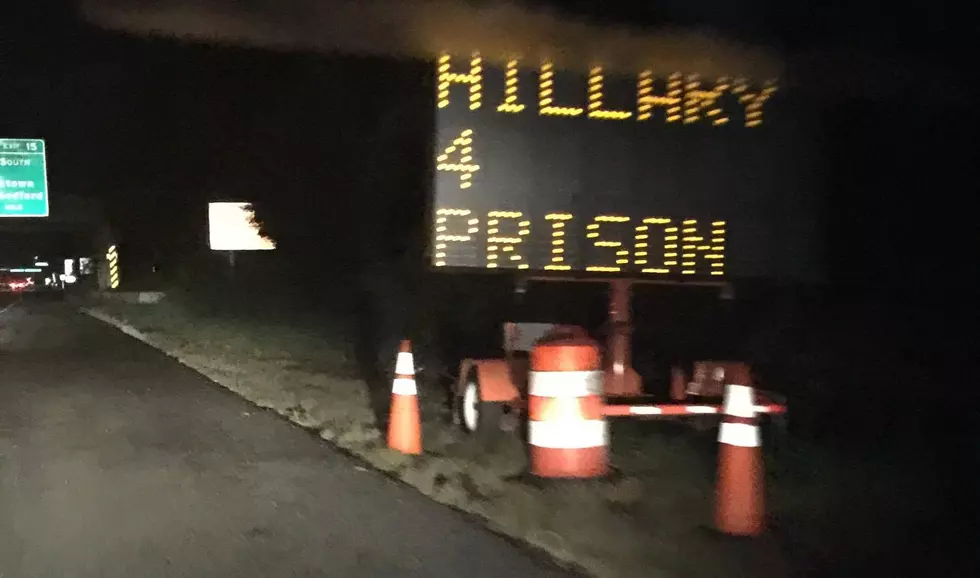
(565, 383)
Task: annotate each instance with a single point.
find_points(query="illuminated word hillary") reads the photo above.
(623, 242)
(687, 99)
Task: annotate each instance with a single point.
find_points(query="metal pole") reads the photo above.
(620, 358)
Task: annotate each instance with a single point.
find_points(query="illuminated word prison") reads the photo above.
(563, 242)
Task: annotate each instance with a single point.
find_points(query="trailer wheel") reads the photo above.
(479, 418)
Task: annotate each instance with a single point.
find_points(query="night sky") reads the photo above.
(335, 149)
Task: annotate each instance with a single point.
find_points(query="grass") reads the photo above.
(650, 519)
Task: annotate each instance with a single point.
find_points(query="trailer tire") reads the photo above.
(479, 418)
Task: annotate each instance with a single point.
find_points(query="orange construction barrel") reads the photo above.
(568, 436)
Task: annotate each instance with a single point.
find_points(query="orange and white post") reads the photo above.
(740, 490)
(404, 422)
(568, 436)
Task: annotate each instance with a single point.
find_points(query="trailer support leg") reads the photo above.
(621, 380)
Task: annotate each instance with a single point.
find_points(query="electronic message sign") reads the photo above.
(672, 177)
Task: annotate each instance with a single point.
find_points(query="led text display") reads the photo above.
(548, 170)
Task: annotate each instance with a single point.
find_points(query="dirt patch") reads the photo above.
(650, 519)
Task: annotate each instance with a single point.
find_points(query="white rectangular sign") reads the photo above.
(232, 228)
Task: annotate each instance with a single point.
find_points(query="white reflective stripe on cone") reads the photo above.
(568, 435)
(742, 435)
(565, 383)
(404, 364)
(739, 401)
(404, 386)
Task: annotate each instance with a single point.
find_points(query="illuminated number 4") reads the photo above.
(460, 151)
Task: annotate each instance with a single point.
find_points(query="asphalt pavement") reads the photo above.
(116, 461)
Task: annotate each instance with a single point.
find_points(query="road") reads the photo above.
(7, 299)
(115, 461)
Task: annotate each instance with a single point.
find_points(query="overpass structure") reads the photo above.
(425, 29)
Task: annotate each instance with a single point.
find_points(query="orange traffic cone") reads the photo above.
(404, 423)
(739, 499)
(678, 384)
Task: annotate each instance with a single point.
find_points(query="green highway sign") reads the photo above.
(23, 178)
